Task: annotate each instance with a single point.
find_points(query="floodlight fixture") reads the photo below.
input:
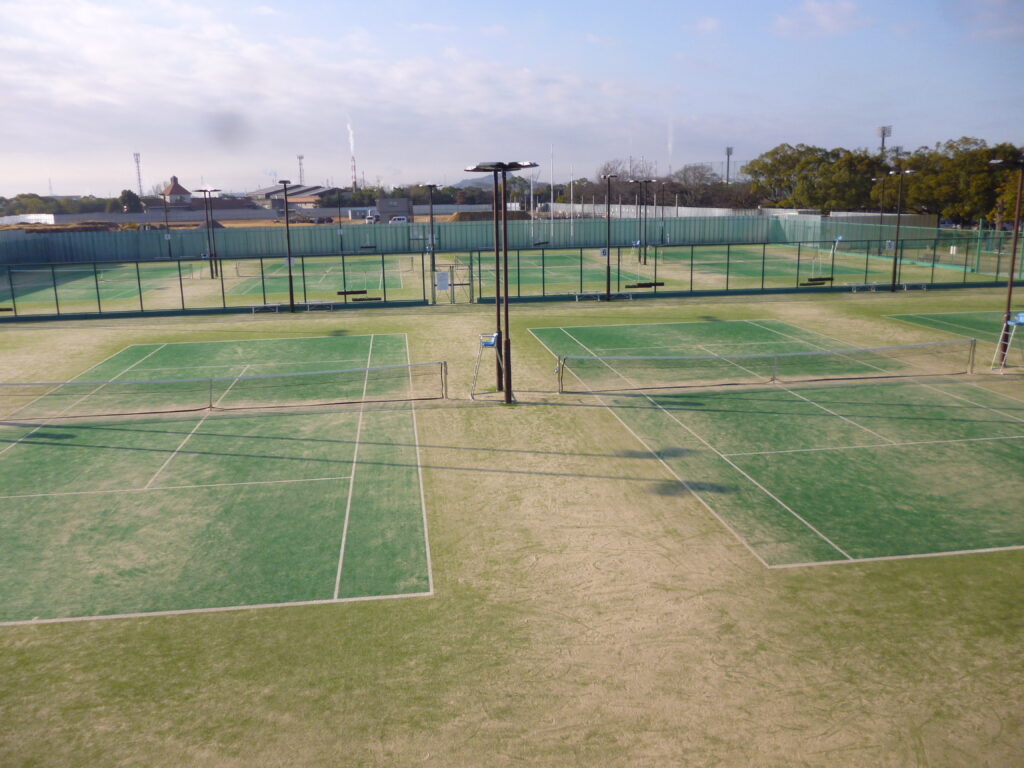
(504, 363)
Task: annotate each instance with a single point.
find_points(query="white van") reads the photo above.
(399, 220)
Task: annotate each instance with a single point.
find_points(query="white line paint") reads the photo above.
(352, 483)
(784, 388)
(671, 471)
(882, 445)
(724, 458)
(889, 558)
(220, 609)
(83, 397)
(175, 487)
(913, 380)
(419, 473)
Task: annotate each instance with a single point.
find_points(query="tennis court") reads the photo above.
(163, 285)
(807, 448)
(252, 473)
(976, 325)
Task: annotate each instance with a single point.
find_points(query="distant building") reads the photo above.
(176, 195)
(389, 207)
(299, 196)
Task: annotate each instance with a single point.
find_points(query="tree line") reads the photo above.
(954, 180)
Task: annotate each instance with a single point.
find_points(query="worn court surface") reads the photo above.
(975, 325)
(214, 510)
(827, 472)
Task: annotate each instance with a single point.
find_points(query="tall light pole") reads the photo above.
(167, 227)
(881, 202)
(430, 239)
(608, 236)
(728, 159)
(899, 212)
(211, 243)
(506, 338)
(288, 246)
(1004, 335)
(642, 223)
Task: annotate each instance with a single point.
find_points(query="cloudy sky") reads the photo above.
(226, 93)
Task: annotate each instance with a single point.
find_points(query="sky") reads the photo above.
(227, 93)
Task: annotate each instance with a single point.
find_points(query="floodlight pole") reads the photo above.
(430, 239)
(210, 243)
(167, 229)
(503, 341)
(506, 355)
(499, 370)
(288, 246)
(899, 211)
(608, 237)
(1004, 334)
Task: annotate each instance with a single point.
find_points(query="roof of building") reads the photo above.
(174, 188)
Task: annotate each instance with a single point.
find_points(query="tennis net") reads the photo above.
(636, 372)
(74, 399)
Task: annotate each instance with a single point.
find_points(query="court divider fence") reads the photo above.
(337, 267)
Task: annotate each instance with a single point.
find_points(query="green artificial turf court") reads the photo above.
(975, 325)
(216, 508)
(829, 467)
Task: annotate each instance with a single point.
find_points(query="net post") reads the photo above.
(210, 393)
(775, 368)
(559, 368)
(444, 379)
(970, 355)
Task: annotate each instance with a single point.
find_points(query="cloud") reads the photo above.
(265, 10)
(494, 30)
(428, 26)
(706, 26)
(593, 39)
(200, 95)
(820, 17)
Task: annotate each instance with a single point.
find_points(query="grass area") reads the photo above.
(587, 608)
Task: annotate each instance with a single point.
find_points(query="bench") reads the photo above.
(863, 286)
(312, 306)
(598, 295)
(265, 308)
(908, 286)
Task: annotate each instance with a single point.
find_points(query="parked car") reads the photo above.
(372, 218)
(399, 220)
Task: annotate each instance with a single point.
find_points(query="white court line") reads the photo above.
(196, 427)
(419, 473)
(913, 556)
(173, 487)
(731, 463)
(878, 445)
(187, 611)
(346, 361)
(972, 332)
(83, 397)
(665, 464)
(806, 399)
(352, 483)
(915, 381)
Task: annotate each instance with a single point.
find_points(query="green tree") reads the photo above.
(129, 202)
